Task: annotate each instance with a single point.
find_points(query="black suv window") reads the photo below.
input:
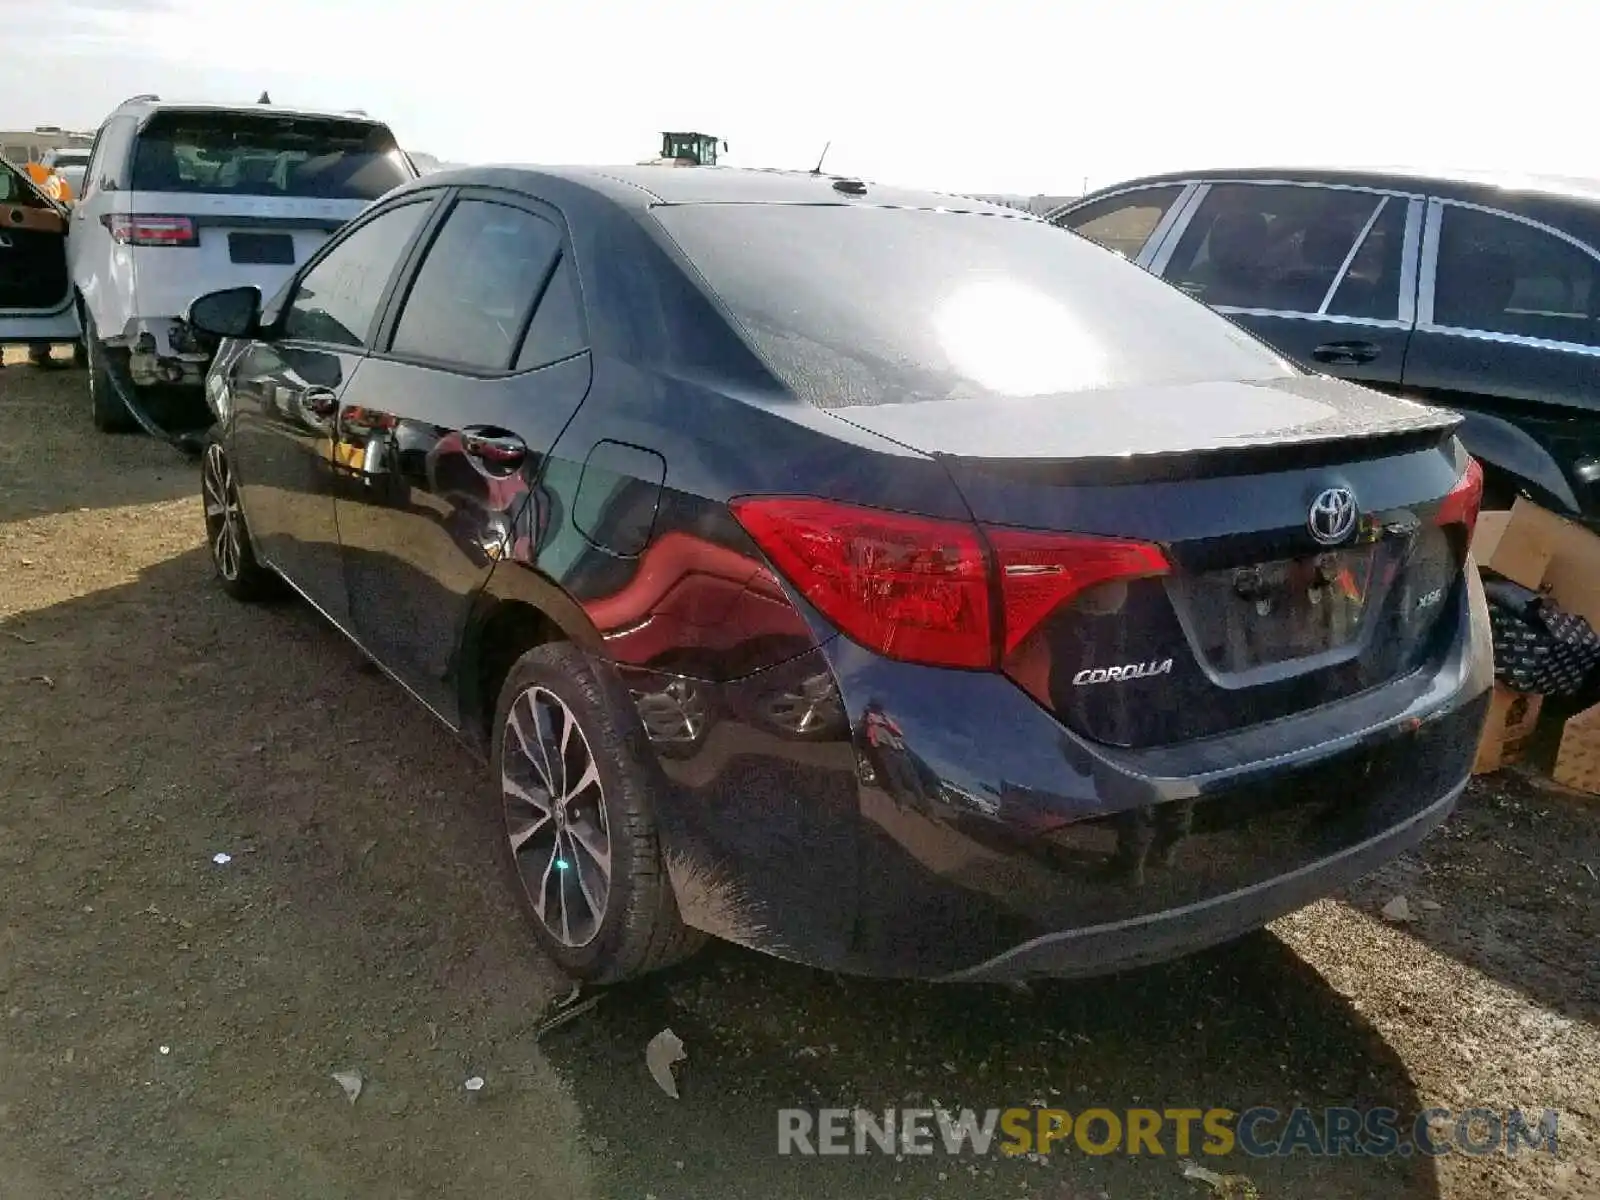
(1270, 246)
(477, 284)
(1123, 223)
(1499, 275)
(338, 298)
(1370, 287)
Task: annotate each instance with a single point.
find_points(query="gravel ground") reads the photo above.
(169, 1025)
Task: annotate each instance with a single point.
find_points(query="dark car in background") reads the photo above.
(876, 579)
(1481, 294)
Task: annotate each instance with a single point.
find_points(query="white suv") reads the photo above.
(183, 199)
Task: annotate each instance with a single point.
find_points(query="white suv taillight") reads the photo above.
(133, 230)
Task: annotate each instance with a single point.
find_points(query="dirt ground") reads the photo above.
(169, 1025)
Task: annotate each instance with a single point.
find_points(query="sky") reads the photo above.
(1004, 96)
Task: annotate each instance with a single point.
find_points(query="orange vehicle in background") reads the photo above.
(59, 173)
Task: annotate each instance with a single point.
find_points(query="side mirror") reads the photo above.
(232, 312)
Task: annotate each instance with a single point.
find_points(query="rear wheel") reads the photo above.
(233, 558)
(578, 821)
(106, 409)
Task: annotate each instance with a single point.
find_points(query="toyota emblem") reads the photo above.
(1333, 516)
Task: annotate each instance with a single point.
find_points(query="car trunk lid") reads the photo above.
(1309, 546)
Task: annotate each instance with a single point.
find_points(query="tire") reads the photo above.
(233, 558)
(552, 862)
(106, 409)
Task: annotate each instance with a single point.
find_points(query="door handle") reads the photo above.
(1346, 353)
(499, 450)
(319, 401)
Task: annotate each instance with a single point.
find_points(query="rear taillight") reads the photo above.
(127, 229)
(908, 587)
(919, 589)
(1460, 506)
(1039, 572)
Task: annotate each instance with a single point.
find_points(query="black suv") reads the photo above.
(1481, 294)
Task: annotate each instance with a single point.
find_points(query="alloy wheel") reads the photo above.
(555, 816)
(224, 522)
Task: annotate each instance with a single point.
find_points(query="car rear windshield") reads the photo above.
(856, 305)
(250, 154)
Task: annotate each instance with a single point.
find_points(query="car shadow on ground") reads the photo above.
(54, 460)
(357, 924)
(1241, 1026)
(1510, 886)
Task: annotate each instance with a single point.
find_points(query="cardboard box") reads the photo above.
(1578, 760)
(1512, 718)
(1534, 547)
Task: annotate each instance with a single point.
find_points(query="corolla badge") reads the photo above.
(1333, 516)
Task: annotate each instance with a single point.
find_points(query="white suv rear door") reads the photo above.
(220, 198)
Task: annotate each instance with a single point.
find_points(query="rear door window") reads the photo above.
(556, 330)
(471, 298)
(108, 157)
(1123, 223)
(1370, 286)
(1273, 247)
(263, 154)
(336, 301)
(1499, 275)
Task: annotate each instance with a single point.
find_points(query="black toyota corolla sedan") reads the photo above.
(870, 577)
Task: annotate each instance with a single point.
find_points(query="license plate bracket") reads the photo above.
(1266, 614)
(261, 249)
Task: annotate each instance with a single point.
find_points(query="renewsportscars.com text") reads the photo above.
(1255, 1132)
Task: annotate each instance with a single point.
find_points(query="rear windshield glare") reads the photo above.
(855, 305)
(242, 154)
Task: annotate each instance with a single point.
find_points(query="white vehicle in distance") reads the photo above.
(184, 199)
(70, 164)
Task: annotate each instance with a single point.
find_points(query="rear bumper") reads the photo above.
(1160, 936)
(940, 825)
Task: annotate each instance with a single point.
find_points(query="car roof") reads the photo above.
(147, 106)
(1460, 184)
(643, 187)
